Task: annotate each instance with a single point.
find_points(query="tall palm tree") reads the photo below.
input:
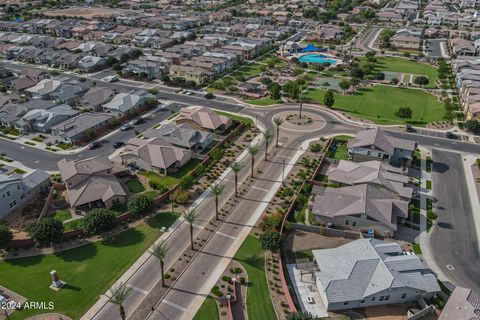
(191, 216)
(267, 134)
(236, 167)
(118, 297)
(216, 190)
(278, 122)
(253, 150)
(160, 251)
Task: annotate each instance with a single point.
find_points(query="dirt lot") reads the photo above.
(87, 13)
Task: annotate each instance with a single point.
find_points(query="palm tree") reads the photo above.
(278, 122)
(216, 190)
(160, 251)
(191, 216)
(172, 201)
(267, 134)
(253, 150)
(118, 297)
(236, 167)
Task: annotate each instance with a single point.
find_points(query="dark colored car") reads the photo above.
(409, 129)
(94, 145)
(138, 121)
(451, 135)
(209, 96)
(118, 144)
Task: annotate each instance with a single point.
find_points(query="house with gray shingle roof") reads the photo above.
(41, 120)
(363, 207)
(373, 172)
(79, 127)
(377, 144)
(126, 102)
(95, 97)
(182, 136)
(199, 117)
(370, 272)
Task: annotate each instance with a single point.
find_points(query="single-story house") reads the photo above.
(181, 136)
(199, 118)
(126, 102)
(83, 126)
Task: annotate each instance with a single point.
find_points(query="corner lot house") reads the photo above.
(377, 144)
(40, 120)
(125, 103)
(81, 126)
(370, 272)
(91, 183)
(199, 118)
(154, 154)
(363, 207)
(182, 136)
(17, 190)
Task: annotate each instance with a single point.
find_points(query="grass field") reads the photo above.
(402, 65)
(246, 120)
(247, 71)
(208, 310)
(88, 270)
(264, 101)
(379, 104)
(252, 258)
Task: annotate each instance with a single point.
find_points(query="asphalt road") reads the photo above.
(434, 50)
(453, 242)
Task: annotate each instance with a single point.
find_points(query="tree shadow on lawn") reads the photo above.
(25, 262)
(71, 287)
(163, 219)
(124, 239)
(253, 261)
(82, 253)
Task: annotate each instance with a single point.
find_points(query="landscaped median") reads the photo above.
(81, 268)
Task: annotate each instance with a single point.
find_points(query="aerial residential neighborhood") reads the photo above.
(240, 159)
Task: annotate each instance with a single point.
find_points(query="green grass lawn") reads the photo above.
(135, 186)
(173, 178)
(379, 104)
(62, 215)
(416, 248)
(402, 65)
(264, 101)
(208, 310)
(429, 184)
(252, 258)
(246, 120)
(415, 211)
(247, 71)
(340, 153)
(88, 270)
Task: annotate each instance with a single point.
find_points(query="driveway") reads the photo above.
(453, 241)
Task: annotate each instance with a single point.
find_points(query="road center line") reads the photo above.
(174, 305)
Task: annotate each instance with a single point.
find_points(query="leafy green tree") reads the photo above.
(187, 182)
(98, 221)
(139, 204)
(302, 316)
(421, 80)
(160, 251)
(46, 232)
(270, 240)
(470, 125)
(329, 99)
(344, 84)
(404, 112)
(275, 91)
(357, 73)
(5, 236)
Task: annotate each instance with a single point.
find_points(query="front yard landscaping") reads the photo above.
(135, 186)
(264, 101)
(63, 215)
(208, 310)
(339, 149)
(380, 103)
(172, 179)
(247, 71)
(30, 276)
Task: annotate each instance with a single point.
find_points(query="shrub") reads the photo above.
(138, 204)
(216, 291)
(316, 147)
(47, 231)
(404, 112)
(98, 221)
(180, 196)
(242, 280)
(270, 240)
(421, 80)
(5, 236)
(227, 279)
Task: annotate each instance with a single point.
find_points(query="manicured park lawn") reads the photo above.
(247, 71)
(252, 258)
(208, 310)
(88, 270)
(264, 101)
(402, 65)
(379, 104)
(135, 186)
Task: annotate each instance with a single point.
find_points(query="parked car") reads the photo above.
(118, 144)
(209, 96)
(409, 129)
(138, 121)
(189, 92)
(94, 145)
(111, 78)
(126, 127)
(451, 135)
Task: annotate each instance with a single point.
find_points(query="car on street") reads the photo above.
(118, 144)
(409, 129)
(111, 78)
(209, 96)
(451, 135)
(189, 92)
(138, 121)
(94, 145)
(126, 127)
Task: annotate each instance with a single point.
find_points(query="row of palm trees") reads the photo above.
(160, 250)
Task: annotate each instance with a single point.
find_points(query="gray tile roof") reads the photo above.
(381, 140)
(178, 135)
(362, 268)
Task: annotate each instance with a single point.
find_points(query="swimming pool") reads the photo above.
(317, 58)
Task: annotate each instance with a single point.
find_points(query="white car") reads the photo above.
(189, 92)
(111, 78)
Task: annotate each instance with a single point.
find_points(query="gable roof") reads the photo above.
(203, 116)
(125, 101)
(381, 140)
(179, 135)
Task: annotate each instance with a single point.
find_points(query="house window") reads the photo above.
(8, 193)
(18, 187)
(387, 298)
(363, 301)
(368, 153)
(354, 223)
(345, 303)
(373, 298)
(347, 222)
(22, 196)
(404, 295)
(381, 298)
